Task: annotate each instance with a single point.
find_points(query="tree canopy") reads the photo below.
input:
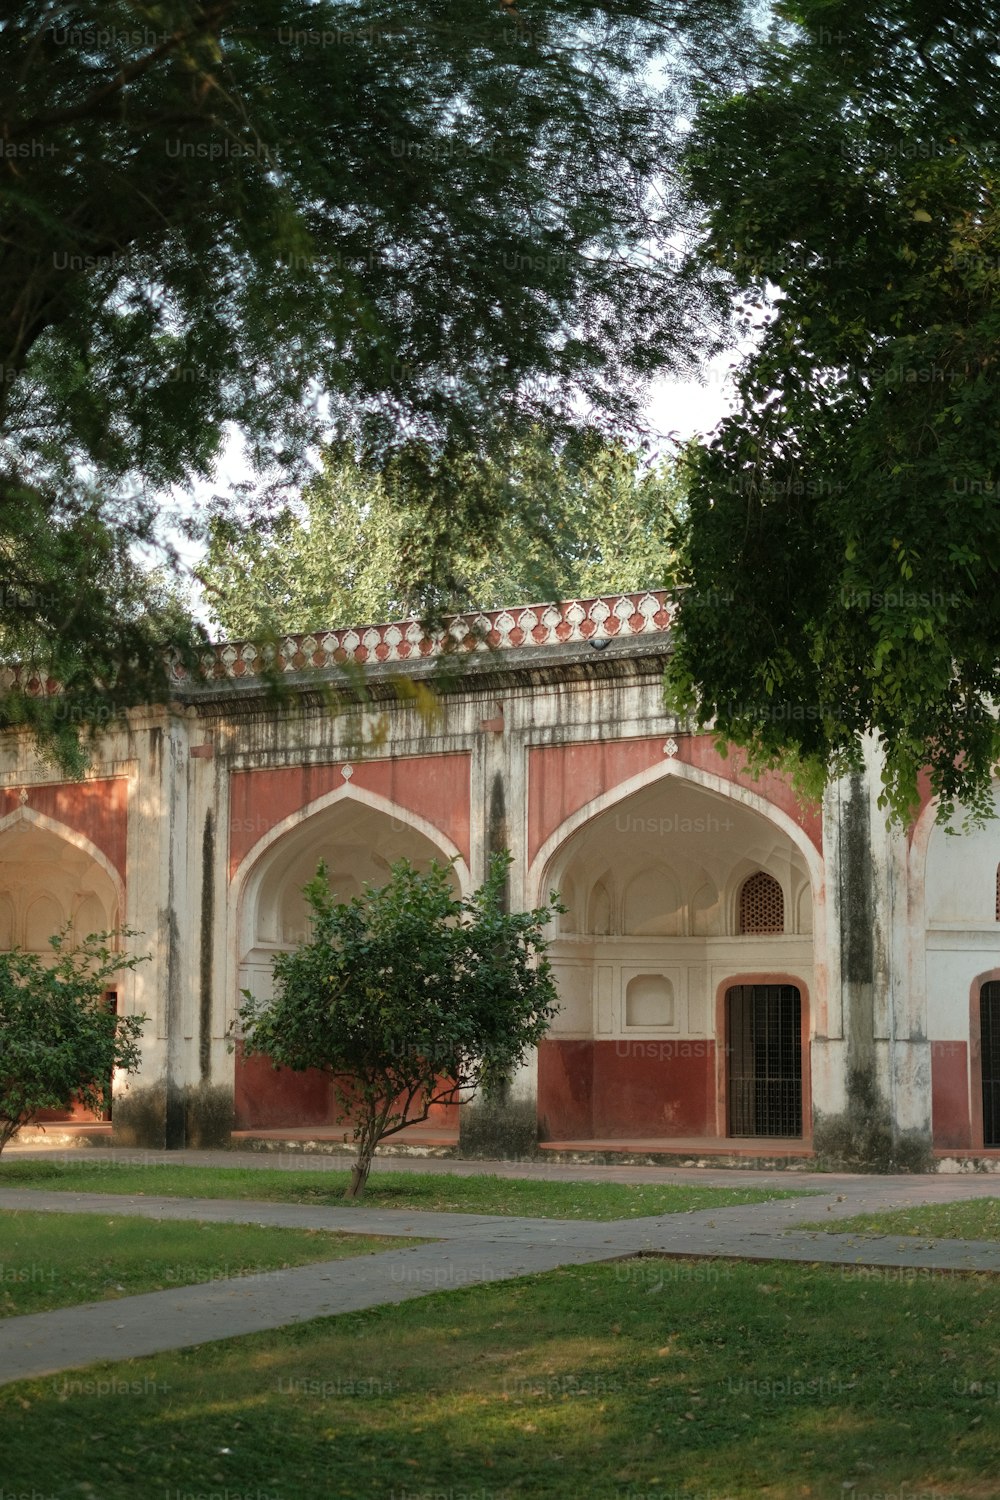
(408, 995)
(60, 1042)
(841, 542)
(418, 227)
(592, 518)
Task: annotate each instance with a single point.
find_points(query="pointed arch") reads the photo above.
(359, 795)
(257, 864)
(70, 836)
(539, 875)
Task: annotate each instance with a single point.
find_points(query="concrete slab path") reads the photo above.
(468, 1249)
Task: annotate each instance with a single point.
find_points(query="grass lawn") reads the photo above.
(473, 1195)
(977, 1219)
(643, 1380)
(49, 1260)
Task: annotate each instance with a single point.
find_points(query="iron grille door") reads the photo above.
(764, 1050)
(989, 1031)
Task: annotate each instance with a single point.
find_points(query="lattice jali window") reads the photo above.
(762, 905)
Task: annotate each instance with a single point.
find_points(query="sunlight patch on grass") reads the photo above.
(579, 1382)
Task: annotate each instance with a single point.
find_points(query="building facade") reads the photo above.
(734, 966)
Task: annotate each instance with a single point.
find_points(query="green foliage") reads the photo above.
(301, 220)
(842, 538)
(59, 1042)
(408, 995)
(588, 518)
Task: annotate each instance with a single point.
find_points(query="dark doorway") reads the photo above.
(989, 1032)
(764, 1052)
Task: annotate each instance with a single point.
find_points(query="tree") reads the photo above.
(408, 995)
(841, 540)
(592, 517)
(299, 219)
(59, 1040)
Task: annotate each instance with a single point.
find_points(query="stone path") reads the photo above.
(468, 1249)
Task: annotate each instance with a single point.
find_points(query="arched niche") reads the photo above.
(43, 918)
(46, 878)
(649, 1001)
(706, 911)
(90, 917)
(709, 840)
(600, 910)
(8, 924)
(293, 924)
(652, 904)
(357, 841)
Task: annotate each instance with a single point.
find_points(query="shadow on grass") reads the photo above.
(642, 1378)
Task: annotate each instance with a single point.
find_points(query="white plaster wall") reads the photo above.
(962, 935)
(593, 976)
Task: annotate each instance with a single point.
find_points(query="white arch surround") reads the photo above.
(70, 836)
(253, 867)
(546, 867)
(537, 875)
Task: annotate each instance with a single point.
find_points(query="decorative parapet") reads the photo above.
(609, 617)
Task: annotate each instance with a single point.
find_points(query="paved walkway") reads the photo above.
(467, 1249)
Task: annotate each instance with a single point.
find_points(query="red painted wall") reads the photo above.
(435, 787)
(76, 1115)
(951, 1123)
(564, 778)
(269, 1098)
(626, 1088)
(97, 809)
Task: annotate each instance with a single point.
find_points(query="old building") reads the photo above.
(737, 970)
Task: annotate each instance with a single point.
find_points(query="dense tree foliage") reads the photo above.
(417, 226)
(590, 519)
(841, 544)
(60, 1042)
(409, 996)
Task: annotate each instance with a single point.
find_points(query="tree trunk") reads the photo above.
(359, 1175)
(367, 1141)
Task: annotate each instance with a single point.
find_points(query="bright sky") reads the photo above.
(678, 409)
(684, 408)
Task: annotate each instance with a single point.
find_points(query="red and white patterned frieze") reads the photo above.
(574, 620)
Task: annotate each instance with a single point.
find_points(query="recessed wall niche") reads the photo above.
(649, 1001)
